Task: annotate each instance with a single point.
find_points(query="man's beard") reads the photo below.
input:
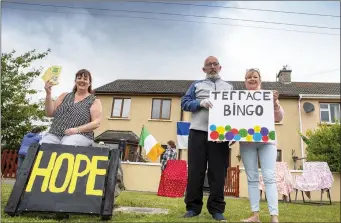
(213, 75)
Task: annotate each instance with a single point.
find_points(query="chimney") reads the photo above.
(284, 75)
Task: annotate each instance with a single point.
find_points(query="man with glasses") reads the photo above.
(201, 152)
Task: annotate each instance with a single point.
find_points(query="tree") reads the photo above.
(17, 113)
(323, 144)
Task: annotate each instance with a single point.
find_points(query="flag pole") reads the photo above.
(141, 132)
(140, 147)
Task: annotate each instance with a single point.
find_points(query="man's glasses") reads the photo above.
(215, 64)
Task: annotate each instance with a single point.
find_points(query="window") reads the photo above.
(161, 109)
(120, 107)
(279, 156)
(329, 112)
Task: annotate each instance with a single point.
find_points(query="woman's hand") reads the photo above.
(276, 95)
(71, 131)
(275, 98)
(48, 86)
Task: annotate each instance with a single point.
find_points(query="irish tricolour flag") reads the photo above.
(151, 146)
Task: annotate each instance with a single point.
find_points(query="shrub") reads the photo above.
(323, 144)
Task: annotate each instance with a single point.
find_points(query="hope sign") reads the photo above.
(51, 172)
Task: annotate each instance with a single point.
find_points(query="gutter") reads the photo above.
(310, 96)
(300, 118)
(319, 96)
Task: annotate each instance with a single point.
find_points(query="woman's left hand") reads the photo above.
(71, 131)
(275, 97)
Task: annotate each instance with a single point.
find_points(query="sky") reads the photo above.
(113, 46)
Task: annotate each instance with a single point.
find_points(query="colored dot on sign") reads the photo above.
(272, 135)
(257, 128)
(221, 130)
(257, 137)
(251, 131)
(213, 127)
(221, 137)
(229, 136)
(249, 138)
(235, 131)
(227, 128)
(237, 137)
(214, 135)
(265, 138)
(243, 132)
(264, 131)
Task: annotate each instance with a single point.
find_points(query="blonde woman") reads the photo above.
(267, 153)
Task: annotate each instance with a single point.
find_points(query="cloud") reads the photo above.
(269, 50)
(115, 48)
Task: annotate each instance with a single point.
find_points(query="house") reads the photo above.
(129, 104)
(156, 104)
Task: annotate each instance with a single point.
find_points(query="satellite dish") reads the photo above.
(308, 107)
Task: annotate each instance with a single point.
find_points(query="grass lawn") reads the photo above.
(236, 209)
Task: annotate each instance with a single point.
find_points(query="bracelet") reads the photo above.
(78, 130)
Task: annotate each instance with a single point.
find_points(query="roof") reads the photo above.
(114, 136)
(179, 87)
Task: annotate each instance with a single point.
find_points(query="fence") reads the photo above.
(9, 162)
(232, 182)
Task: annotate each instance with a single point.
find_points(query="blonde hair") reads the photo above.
(253, 70)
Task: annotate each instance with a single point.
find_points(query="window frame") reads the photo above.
(279, 123)
(280, 156)
(121, 109)
(160, 109)
(327, 109)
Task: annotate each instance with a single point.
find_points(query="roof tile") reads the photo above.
(179, 87)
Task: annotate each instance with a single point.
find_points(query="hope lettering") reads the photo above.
(51, 172)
